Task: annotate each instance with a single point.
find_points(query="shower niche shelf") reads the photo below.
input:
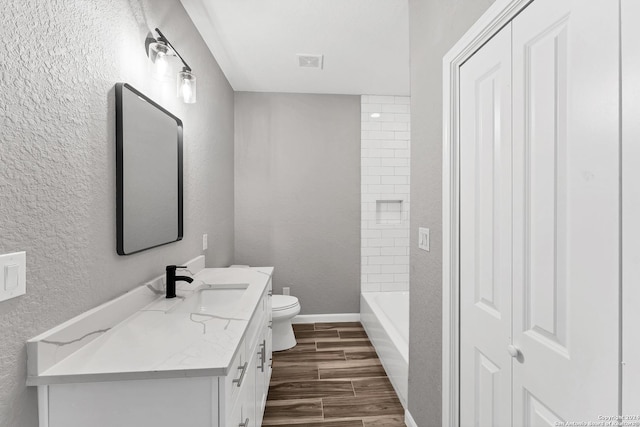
(389, 212)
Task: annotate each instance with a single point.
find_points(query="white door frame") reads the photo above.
(499, 14)
(630, 206)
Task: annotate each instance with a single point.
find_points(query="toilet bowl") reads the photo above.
(283, 309)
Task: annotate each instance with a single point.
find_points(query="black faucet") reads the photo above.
(172, 278)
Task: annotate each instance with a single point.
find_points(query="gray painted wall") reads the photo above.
(435, 26)
(60, 61)
(297, 201)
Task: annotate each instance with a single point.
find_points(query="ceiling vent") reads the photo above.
(310, 61)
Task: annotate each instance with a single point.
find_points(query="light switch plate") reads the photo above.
(205, 242)
(423, 239)
(13, 275)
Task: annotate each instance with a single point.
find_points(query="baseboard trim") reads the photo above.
(408, 419)
(323, 318)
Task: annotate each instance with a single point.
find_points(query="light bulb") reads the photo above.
(187, 91)
(161, 59)
(162, 65)
(187, 86)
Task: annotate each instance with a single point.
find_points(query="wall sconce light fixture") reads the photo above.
(159, 50)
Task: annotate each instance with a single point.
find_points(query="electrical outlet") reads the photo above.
(423, 239)
(286, 290)
(205, 242)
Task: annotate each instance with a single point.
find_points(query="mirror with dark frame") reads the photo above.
(149, 172)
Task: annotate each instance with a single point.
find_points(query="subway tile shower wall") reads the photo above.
(385, 160)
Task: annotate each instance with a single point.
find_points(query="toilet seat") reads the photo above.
(284, 307)
(283, 302)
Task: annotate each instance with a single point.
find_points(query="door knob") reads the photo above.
(513, 350)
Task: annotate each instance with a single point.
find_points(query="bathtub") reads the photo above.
(385, 317)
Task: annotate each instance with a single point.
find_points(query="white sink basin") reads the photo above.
(213, 299)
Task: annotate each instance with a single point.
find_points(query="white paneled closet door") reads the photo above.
(539, 219)
(485, 233)
(566, 211)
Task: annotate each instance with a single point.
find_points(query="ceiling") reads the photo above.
(365, 44)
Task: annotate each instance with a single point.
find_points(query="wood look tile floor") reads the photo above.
(332, 378)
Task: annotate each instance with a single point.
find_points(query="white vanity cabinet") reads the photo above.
(183, 395)
(243, 394)
(264, 366)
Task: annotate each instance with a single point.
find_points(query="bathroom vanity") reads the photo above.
(203, 359)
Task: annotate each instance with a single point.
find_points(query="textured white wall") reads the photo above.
(59, 61)
(435, 26)
(297, 205)
(385, 152)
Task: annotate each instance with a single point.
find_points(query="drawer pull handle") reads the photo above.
(244, 424)
(270, 324)
(270, 293)
(263, 354)
(243, 369)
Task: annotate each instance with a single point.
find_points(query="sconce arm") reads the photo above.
(164, 39)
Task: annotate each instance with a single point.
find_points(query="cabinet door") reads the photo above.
(262, 385)
(232, 383)
(485, 235)
(566, 210)
(243, 413)
(249, 394)
(269, 337)
(269, 355)
(263, 365)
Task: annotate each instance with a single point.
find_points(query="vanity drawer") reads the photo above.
(258, 322)
(268, 302)
(243, 413)
(269, 351)
(234, 381)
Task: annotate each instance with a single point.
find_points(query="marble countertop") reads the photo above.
(159, 339)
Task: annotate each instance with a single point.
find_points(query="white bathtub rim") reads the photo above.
(393, 361)
(389, 326)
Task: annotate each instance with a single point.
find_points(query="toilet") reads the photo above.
(283, 308)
